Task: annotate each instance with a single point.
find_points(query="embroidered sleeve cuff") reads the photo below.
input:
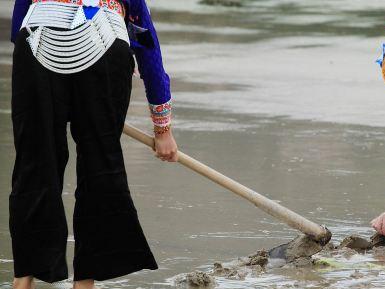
(161, 114)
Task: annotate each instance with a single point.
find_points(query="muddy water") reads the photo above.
(285, 97)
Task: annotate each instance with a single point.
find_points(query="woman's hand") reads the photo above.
(379, 224)
(165, 147)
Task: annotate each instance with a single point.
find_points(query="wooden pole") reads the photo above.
(317, 232)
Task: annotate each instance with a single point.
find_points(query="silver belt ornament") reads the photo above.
(79, 42)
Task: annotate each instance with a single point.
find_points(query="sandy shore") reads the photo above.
(298, 116)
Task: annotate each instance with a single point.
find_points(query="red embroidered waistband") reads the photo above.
(110, 4)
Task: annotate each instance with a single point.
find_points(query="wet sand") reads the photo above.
(283, 97)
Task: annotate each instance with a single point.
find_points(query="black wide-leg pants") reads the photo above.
(109, 240)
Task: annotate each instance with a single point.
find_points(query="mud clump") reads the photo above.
(301, 262)
(220, 270)
(200, 279)
(261, 258)
(252, 265)
(229, 273)
(355, 242)
(197, 279)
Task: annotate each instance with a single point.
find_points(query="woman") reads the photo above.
(73, 62)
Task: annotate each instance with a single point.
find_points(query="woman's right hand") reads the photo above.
(379, 224)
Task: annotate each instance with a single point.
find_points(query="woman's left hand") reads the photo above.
(379, 224)
(165, 147)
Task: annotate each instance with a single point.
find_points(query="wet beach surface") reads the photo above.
(283, 96)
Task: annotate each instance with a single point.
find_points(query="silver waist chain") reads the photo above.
(79, 42)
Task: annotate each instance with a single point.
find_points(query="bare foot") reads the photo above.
(24, 283)
(85, 284)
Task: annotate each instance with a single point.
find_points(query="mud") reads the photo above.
(357, 275)
(298, 256)
(239, 269)
(300, 262)
(356, 242)
(197, 279)
(261, 258)
(231, 273)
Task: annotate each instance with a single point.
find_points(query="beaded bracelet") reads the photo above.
(158, 130)
(161, 109)
(161, 120)
(161, 114)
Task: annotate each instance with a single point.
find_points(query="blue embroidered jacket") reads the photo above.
(144, 42)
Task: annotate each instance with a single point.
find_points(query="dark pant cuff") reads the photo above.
(112, 265)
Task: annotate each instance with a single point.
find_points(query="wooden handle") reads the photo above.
(274, 209)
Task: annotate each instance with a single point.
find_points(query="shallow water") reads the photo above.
(283, 96)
